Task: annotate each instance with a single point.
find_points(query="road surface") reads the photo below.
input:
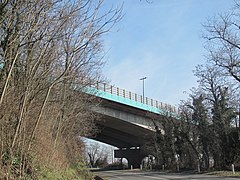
(143, 175)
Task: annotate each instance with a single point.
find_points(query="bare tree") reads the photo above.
(49, 52)
(218, 92)
(222, 42)
(97, 155)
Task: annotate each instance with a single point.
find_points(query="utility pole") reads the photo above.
(142, 79)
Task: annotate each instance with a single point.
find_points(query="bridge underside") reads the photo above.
(121, 134)
(124, 127)
(128, 137)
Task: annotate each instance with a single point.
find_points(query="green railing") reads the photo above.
(133, 99)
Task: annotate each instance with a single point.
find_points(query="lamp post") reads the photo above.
(142, 79)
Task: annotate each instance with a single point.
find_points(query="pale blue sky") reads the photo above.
(162, 41)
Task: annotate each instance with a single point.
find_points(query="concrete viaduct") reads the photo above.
(127, 120)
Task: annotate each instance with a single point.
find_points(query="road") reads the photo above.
(142, 175)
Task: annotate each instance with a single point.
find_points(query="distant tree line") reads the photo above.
(49, 51)
(207, 132)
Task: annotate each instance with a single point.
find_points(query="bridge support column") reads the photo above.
(134, 156)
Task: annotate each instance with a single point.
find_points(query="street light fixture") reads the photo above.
(142, 79)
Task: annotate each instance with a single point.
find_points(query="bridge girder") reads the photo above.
(119, 125)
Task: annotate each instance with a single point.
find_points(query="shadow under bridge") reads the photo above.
(124, 127)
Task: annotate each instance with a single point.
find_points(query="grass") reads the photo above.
(225, 173)
(76, 172)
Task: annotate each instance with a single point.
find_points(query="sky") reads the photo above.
(162, 41)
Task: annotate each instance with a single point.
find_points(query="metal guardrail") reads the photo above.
(134, 97)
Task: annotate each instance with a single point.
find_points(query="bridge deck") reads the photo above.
(131, 99)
